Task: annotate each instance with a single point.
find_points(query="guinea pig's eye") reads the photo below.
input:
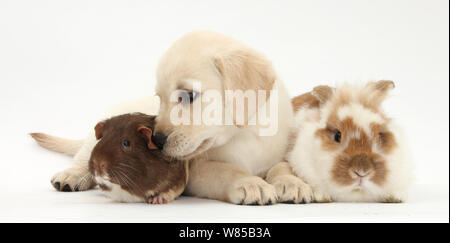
(126, 144)
(337, 136)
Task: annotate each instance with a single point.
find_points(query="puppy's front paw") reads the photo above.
(291, 189)
(252, 191)
(73, 179)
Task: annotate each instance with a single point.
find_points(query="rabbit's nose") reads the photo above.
(361, 174)
(362, 164)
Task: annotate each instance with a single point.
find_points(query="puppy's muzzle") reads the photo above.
(159, 139)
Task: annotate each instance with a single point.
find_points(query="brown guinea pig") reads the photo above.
(128, 167)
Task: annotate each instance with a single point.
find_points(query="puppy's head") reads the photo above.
(197, 67)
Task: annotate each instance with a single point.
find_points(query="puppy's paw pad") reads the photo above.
(56, 185)
(72, 180)
(291, 189)
(252, 191)
(66, 188)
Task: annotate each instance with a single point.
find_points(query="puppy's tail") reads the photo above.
(60, 145)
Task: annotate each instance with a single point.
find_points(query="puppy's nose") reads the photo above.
(159, 139)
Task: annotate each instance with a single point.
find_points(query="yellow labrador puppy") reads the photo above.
(229, 157)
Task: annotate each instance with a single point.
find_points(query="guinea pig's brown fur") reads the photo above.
(128, 166)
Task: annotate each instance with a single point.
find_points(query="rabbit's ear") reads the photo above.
(322, 93)
(376, 92)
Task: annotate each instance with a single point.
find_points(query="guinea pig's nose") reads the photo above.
(102, 165)
(159, 139)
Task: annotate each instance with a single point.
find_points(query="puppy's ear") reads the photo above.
(244, 69)
(147, 133)
(375, 92)
(99, 130)
(323, 93)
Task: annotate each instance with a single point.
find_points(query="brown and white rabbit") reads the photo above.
(346, 149)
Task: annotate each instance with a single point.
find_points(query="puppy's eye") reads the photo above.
(337, 136)
(126, 144)
(192, 96)
(188, 96)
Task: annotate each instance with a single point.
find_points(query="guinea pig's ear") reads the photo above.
(147, 133)
(376, 92)
(322, 93)
(99, 130)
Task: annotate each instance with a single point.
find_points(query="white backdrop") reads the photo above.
(62, 63)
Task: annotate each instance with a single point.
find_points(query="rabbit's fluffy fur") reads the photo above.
(346, 148)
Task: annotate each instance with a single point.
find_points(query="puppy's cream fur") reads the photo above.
(228, 161)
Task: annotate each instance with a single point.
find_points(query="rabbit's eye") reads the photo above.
(383, 137)
(337, 136)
